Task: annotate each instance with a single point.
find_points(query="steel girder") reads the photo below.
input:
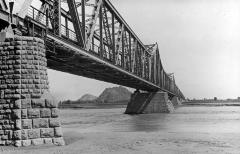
(3, 5)
(57, 17)
(100, 29)
(90, 31)
(76, 22)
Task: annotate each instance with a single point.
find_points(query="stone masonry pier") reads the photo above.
(149, 102)
(28, 113)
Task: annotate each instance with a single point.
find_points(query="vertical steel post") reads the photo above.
(47, 20)
(123, 49)
(161, 77)
(143, 63)
(130, 51)
(157, 67)
(140, 61)
(76, 22)
(93, 46)
(83, 3)
(66, 24)
(46, 28)
(113, 40)
(101, 33)
(136, 58)
(33, 13)
(149, 69)
(57, 17)
(33, 31)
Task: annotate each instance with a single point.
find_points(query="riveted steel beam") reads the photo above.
(76, 22)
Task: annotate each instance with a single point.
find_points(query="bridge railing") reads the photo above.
(68, 33)
(37, 15)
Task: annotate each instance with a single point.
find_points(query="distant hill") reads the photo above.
(114, 95)
(88, 97)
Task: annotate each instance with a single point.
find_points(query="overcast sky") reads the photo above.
(199, 40)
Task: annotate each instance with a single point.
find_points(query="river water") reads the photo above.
(185, 119)
(189, 130)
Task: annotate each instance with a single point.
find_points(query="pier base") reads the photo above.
(149, 102)
(28, 113)
(176, 102)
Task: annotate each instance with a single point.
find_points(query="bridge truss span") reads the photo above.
(90, 38)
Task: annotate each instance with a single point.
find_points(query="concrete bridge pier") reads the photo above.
(28, 113)
(149, 102)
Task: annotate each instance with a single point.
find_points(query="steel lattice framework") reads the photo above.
(90, 38)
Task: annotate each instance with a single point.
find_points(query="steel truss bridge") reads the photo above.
(91, 39)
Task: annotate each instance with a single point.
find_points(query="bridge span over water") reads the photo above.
(83, 37)
(92, 39)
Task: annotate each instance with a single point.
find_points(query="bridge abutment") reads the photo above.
(149, 102)
(28, 113)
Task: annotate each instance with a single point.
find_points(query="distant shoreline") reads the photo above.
(212, 103)
(93, 106)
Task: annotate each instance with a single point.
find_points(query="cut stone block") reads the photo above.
(48, 141)
(33, 113)
(55, 112)
(36, 103)
(40, 123)
(27, 123)
(26, 143)
(45, 113)
(33, 133)
(54, 122)
(24, 134)
(37, 141)
(58, 141)
(47, 132)
(58, 131)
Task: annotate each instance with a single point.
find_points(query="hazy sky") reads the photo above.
(199, 40)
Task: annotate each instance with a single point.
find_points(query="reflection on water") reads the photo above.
(184, 119)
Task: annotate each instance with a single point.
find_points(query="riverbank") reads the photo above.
(212, 103)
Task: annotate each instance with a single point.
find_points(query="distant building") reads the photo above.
(215, 98)
(239, 98)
